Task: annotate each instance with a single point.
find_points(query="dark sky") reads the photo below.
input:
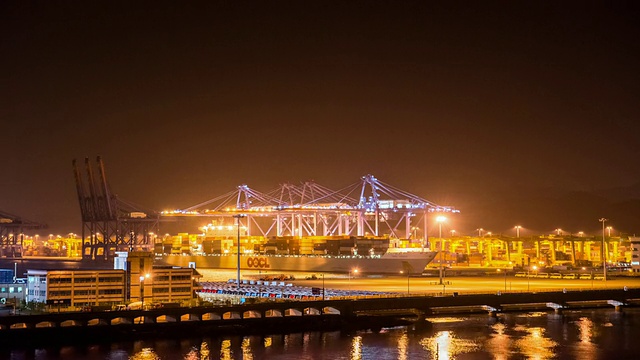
(514, 112)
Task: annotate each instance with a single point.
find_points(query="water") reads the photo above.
(588, 335)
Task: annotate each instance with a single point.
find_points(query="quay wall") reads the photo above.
(290, 316)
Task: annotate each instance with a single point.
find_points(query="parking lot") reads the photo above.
(212, 290)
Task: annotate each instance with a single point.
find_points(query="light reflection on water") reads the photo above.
(403, 347)
(246, 349)
(225, 350)
(356, 348)
(585, 335)
(586, 349)
(535, 345)
(444, 345)
(145, 354)
(499, 343)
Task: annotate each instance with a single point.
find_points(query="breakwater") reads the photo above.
(289, 316)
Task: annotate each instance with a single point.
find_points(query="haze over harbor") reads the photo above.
(517, 114)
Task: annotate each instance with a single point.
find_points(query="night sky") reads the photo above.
(515, 112)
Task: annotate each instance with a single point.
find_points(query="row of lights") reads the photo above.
(439, 219)
(558, 231)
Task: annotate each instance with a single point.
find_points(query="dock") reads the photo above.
(293, 316)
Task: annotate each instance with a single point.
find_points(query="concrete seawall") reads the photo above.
(292, 316)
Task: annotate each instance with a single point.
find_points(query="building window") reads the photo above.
(59, 281)
(60, 293)
(180, 277)
(180, 289)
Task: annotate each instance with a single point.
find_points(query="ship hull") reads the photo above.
(390, 263)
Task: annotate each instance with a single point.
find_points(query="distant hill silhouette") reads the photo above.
(621, 193)
(540, 211)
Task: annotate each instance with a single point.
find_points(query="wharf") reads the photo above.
(292, 316)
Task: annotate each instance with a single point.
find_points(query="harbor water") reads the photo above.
(585, 334)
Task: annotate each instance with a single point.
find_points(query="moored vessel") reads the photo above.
(389, 263)
(373, 255)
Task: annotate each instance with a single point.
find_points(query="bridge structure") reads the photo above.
(12, 235)
(109, 223)
(367, 207)
(273, 317)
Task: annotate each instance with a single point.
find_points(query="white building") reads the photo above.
(37, 285)
(12, 293)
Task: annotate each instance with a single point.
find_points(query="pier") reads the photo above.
(292, 316)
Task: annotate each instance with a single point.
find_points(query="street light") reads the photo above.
(480, 230)
(518, 227)
(558, 231)
(354, 271)
(583, 269)
(534, 267)
(604, 254)
(238, 217)
(142, 277)
(440, 220)
(609, 228)
(453, 233)
(505, 278)
(580, 233)
(408, 273)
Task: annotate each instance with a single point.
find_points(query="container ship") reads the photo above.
(342, 254)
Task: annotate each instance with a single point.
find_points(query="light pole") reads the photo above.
(609, 228)
(354, 271)
(591, 271)
(559, 231)
(440, 220)
(518, 227)
(528, 274)
(604, 253)
(505, 278)
(453, 233)
(142, 277)
(238, 217)
(480, 230)
(408, 273)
